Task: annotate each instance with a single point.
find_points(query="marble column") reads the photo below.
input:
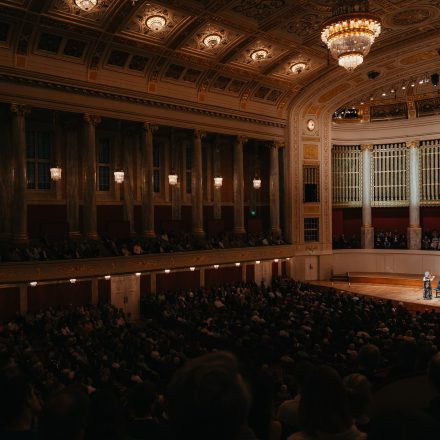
(6, 181)
(89, 176)
(197, 184)
(367, 231)
(274, 185)
(177, 149)
(414, 232)
(71, 176)
(147, 180)
(128, 146)
(217, 205)
(238, 186)
(19, 206)
(58, 144)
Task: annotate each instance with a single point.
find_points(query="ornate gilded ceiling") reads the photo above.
(115, 39)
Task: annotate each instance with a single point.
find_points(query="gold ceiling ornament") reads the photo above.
(86, 5)
(259, 54)
(351, 32)
(156, 22)
(297, 68)
(212, 40)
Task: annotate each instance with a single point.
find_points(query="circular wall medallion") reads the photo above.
(310, 125)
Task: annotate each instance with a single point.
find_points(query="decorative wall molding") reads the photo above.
(115, 94)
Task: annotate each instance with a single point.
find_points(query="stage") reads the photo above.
(395, 287)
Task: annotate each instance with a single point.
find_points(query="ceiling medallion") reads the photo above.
(212, 40)
(297, 68)
(156, 22)
(86, 5)
(259, 55)
(350, 33)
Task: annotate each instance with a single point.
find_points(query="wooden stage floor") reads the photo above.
(412, 297)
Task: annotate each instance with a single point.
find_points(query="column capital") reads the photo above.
(241, 140)
(20, 109)
(148, 126)
(92, 119)
(368, 147)
(413, 143)
(199, 133)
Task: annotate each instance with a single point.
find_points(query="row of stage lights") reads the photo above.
(167, 271)
(173, 178)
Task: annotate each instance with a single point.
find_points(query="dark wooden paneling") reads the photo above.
(145, 286)
(47, 221)
(177, 280)
(9, 302)
(222, 275)
(250, 273)
(44, 296)
(104, 291)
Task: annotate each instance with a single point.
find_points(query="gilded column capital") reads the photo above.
(278, 144)
(368, 147)
(199, 133)
(241, 140)
(148, 126)
(20, 109)
(92, 119)
(413, 143)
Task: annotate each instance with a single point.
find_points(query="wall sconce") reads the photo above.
(55, 173)
(119, 176)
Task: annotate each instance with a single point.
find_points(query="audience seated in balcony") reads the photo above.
(44, 249)
(389, 240)
(431, 241)
(347, 243)
(92, 368)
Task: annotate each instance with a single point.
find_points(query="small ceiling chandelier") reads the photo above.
(297, 68)
(212, 40)
(55, 173)
(256, 182)
(156, 22)
(351, 32)
(218, 182)
(86, 5)
(259, 55)
(173, 178)
(119, 176)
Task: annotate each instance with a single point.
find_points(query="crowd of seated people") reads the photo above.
(431, 241)
(342, 242)
(389, 240)
(236, 362)
(75, 248)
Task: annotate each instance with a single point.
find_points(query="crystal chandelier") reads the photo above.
(172, 179)
(86, 5)
(55, 173)
(156, 22)
(350, 33)
(212, 40)
(119, 176)
(256, 182)
(218, 182)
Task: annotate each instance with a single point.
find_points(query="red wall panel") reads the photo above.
(177, 280)
(228, 217)
(430, 218)
(110, 219)
(47, 220)
(222, 275)
(391, 219)
(9, 302)
(337, 223)
(44, 296)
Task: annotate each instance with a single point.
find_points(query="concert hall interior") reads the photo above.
(220, 219)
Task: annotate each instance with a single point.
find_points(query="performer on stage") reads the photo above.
(427, 292)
